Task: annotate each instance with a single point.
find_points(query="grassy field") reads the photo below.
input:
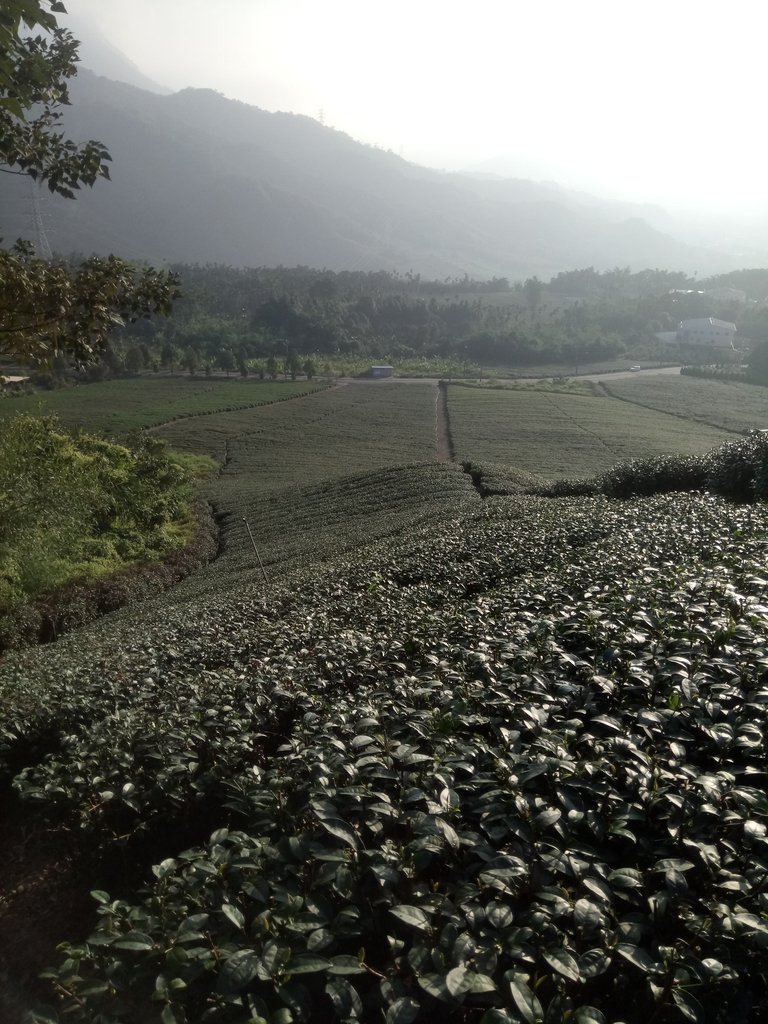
(118, 406)
(562, 434)
(728, 406)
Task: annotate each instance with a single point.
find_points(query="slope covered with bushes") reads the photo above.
(510, 768)
(76, 506)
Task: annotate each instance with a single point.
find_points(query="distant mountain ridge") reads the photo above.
(201, 178)
(99, 55)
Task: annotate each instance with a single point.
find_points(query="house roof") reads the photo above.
(706, 321)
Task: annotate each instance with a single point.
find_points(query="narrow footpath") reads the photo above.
(445, 452)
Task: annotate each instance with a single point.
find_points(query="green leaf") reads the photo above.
(402, 1011)
(561, 961)
(435, 986)
(307, 963)
(459, 981)
(272, 961)
(588, 1015)
(238, 971)
(690, 1007)
(524, 997)
(412, 916)
(135, 941)
(481, 983)
(637, 956)
(345, 998)
(92, 988)
(543, 820)
(345, 965)
(234, 915)
(587, 915)
(593, 963)
(752, 923)
(340, 830)
(173, 1014)
(499, 916)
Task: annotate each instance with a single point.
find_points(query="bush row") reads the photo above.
(737, 470)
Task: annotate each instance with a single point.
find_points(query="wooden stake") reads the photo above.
(256, 550)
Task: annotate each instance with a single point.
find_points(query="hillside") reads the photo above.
(486, 760)
(500, 767)
(200, 178)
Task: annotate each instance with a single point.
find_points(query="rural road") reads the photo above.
(655, 371)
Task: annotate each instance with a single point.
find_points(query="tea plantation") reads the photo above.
(482, 761)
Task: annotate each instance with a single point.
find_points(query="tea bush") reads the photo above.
(508, 769)
(737, 470)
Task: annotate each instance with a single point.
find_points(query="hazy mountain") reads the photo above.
(200, 178)
(99, 55)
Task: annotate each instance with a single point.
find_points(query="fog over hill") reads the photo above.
(201, 178)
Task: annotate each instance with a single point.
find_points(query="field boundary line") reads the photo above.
(580, 426)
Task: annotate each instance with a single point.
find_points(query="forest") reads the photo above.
(272, 320)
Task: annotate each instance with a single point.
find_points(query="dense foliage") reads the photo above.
(34, 70)
(578, 317)
(75, 505)
(510, 769)
(49, 308)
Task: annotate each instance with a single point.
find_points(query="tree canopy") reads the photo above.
(48, 308)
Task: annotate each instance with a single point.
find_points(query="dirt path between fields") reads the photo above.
(445, 452)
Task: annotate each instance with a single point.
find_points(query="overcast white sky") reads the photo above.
(659, 101)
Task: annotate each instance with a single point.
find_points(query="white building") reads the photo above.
(707, 331)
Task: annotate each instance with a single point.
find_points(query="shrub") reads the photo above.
(76, 505)
(739, 469)
(653, 476)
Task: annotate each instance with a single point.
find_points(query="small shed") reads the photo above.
(381, 371)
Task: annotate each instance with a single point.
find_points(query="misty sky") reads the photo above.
(661, 101)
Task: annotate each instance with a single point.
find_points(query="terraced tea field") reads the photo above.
(730, 406)
(558, 434)
(494, 761)
(505, 768)
(319, 524)
(116, 407)
(331, 433)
